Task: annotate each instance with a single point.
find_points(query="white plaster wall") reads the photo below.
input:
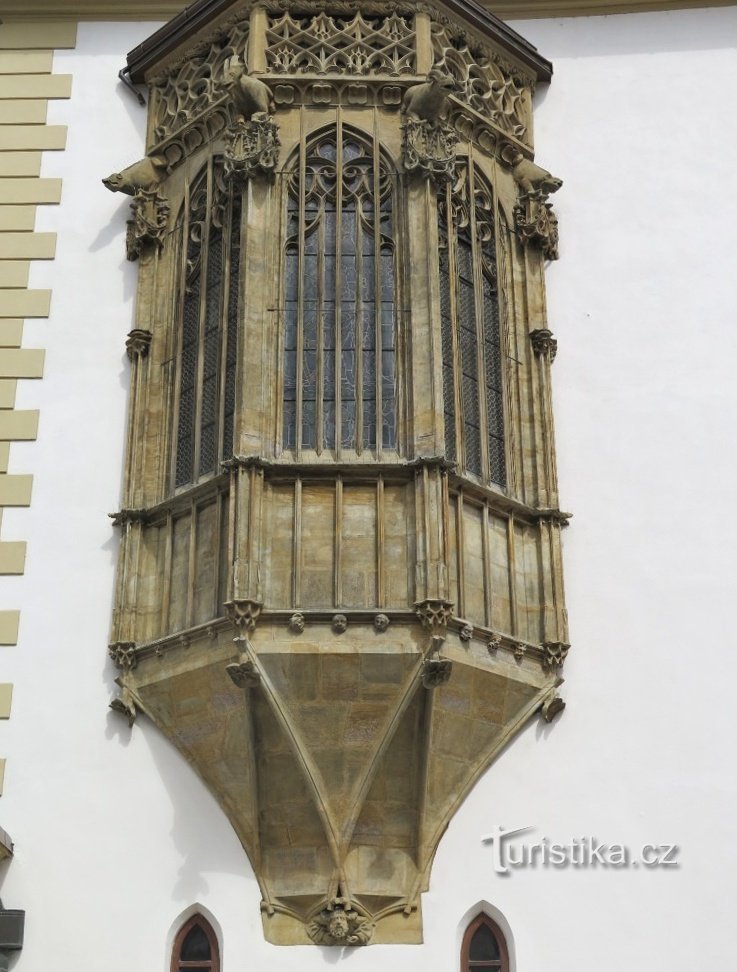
(115, 837)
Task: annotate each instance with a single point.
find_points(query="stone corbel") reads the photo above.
(125, 705)
(436, 670)
(338, 923)
(244, 614)
(123, 655)
(552, 706)
(251, 149)
(434, 614)
(543, 343)
(137, 343)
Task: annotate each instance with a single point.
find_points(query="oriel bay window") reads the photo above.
(339, 301)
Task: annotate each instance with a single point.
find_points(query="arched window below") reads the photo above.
(484, 947)
(196, 947)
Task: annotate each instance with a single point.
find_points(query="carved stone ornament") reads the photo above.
(244, 613)
(381, 622)
(125, 516)
(243, 672)
(251, 97)
(429, 148)
(123, 654)
(340, 925)
(147, 228)
(543, 342)
(137, 343)
(552, 707)
(554, 654)
(536, 223)
(520, 650)
(434, 613)
(297, 623)
(340, 623)
(251, 148)
(436, 672)
(492, 645)
(466, 632)
(125, 705)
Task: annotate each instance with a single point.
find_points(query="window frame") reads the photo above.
(467, 964)
(212, 964)
(295, 168)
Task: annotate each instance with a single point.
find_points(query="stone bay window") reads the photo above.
(339, 589)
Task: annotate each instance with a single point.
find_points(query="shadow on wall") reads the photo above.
(643, 33)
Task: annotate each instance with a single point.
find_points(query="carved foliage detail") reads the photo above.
(481, 83)
(430, 150)
(147, 228)
(323, 44)
(251, 148)
(536, 222)
(339, 924)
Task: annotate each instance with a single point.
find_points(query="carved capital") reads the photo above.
(429, 148)
(543, 343)
(123, 654)
(125, 705)
(536, 223)
(137, 343)
(340, 924)
(251, 148)
(244, 613)
(554, 654)
(434, 613)
(147, 228)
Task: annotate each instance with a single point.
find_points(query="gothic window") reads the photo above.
(339, 307)
(196, 947)
(471, 331)
(484, 948)
(209, 233)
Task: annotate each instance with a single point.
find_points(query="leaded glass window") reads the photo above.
(473, 403)
(195, 948)
(484, 948)
(339, 298)
(209, 230)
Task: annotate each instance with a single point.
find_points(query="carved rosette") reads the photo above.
(429, 149)
(340, 925)
(147, 228)
(123, 654)
(554, 654)
(536, 223)
(251, 148)
(137, 343)
(543, 343)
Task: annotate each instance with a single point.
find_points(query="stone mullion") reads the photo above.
(431, 535)
(248, 536)
(547, 587)
(535, 390)
(545, 346)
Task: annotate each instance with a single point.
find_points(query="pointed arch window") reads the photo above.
(473, 398)
(209, 234)
(340, 304)
(196, 947)
(484, 947)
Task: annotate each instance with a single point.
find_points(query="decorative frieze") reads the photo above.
(251, 148)
(331, 44)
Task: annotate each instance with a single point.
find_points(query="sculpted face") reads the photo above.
(338, 926)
